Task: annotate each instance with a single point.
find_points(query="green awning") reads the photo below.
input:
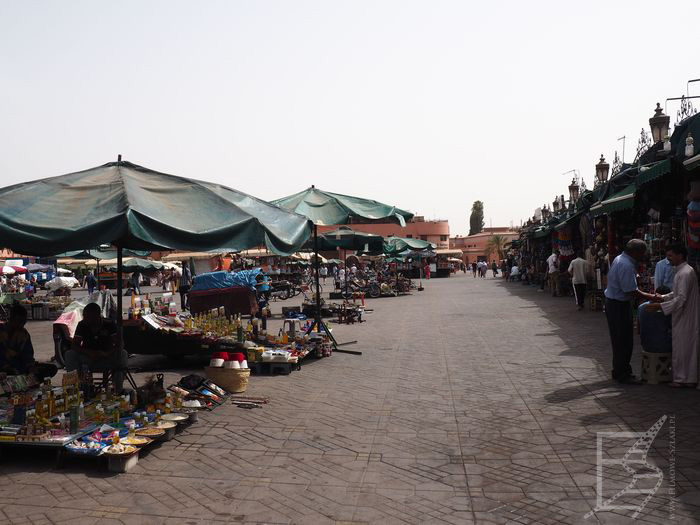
(653, 172)
(571, 220)
(622, 200)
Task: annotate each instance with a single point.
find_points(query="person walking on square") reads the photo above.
(185, 285)
(553, 272)
(90, 283)
(474, 266)
(622, 289)
(683, 305)
(578, 270)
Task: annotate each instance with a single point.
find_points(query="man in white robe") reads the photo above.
(683, 305)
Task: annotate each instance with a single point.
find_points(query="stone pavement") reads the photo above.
(475, 401)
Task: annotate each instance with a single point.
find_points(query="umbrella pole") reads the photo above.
(97, 273)
(120, 322)
(345, 263)
(317, 320)
(420, 271)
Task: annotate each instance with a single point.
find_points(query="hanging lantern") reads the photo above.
(601, 170)
(659, 124)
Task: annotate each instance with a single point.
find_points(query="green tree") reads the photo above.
(476, 219)
(496, 243)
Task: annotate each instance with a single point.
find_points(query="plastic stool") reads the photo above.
(656, 368)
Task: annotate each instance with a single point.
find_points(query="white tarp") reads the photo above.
(61, 282)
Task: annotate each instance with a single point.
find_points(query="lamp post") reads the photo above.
(659, 124)
(555, 205)
(601, 171)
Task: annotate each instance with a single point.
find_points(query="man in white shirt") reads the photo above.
(553, 272)
(514, 272)
(578, 268)
(341, 276)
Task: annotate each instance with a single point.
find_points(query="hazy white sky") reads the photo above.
(427, 105)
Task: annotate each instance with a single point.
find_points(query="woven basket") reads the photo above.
(232, 380)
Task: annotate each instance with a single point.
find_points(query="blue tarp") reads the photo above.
(214, 280)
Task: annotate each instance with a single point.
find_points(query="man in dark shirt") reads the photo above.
(90, 283)
(16, 349)
(94, 346)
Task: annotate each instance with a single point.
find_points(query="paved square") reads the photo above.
(475, 401)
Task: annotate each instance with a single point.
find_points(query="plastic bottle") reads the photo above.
(157, 416)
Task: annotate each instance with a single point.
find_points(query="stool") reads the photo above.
(107, 376)
(656, 367)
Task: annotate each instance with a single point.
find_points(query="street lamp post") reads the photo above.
(573, 192)
(601, 170)
(659, 124)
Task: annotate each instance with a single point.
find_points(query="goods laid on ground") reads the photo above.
(40, 308)
(78, 418)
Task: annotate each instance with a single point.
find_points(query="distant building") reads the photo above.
(474, 246)
(6, 253)
(437, 232)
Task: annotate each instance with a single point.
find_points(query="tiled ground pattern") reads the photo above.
(475, 401)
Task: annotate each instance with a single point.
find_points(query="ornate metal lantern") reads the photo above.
(601, 170)
(659, 124)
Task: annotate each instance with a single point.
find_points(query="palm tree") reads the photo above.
(496, 243)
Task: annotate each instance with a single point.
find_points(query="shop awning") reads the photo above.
(622, 200)
(448, 251)
(570, 221)
(543, 232)
(653, 172)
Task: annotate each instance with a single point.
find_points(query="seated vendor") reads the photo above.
(94, 346)
(16, 350)
(655, 327)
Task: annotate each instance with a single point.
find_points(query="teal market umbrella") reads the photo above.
(137, 208)
(100, 254)
(346, 238)
(133, 207)
(325, 208)
(396, 245)
(329, 209)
